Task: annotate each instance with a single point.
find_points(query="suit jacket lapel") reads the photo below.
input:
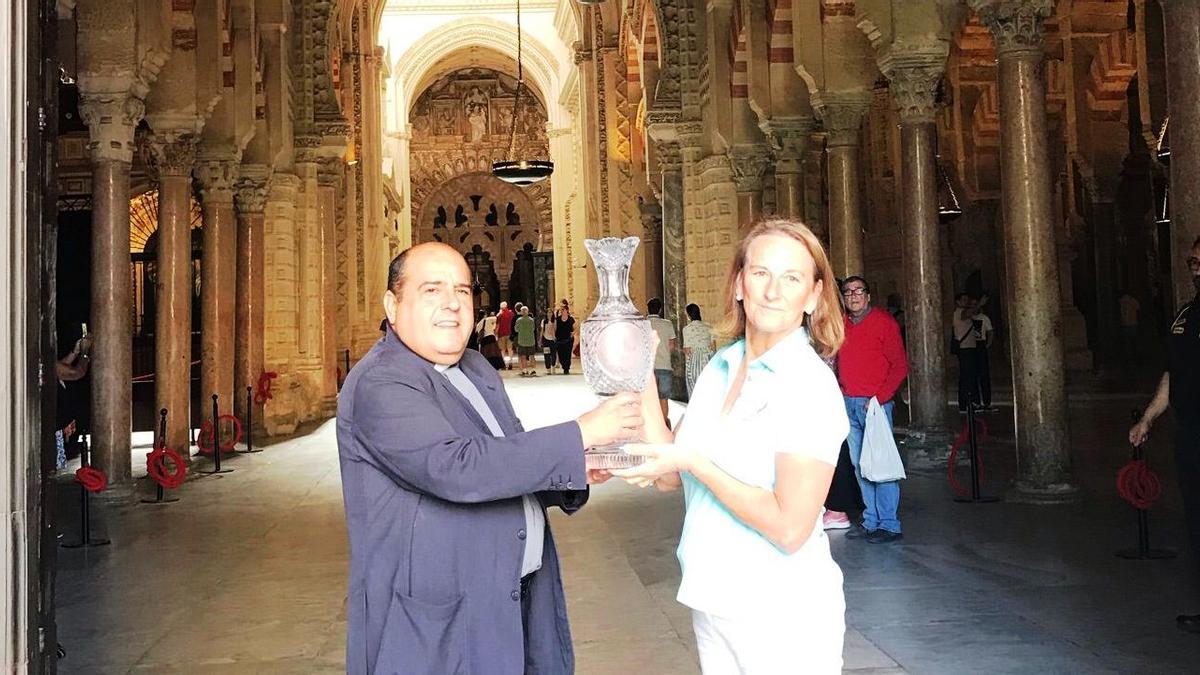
(442, 386)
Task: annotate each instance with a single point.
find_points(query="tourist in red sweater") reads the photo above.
(871, 363)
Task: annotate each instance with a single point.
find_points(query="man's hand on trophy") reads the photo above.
(598, 476)
(617, 419)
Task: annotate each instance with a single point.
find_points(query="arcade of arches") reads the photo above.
(321, 138)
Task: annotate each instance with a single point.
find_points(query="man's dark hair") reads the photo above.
(655, 306)
(396, 271)
(693, 311)
(847, 280)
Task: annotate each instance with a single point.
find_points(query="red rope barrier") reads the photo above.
(92, 479)
(204, 442)
(1138, 484)
(156, 466)
(263, 393)
(963, 437)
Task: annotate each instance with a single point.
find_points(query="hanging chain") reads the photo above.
(512, 131)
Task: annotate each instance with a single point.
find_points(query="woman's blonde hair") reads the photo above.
(825, 325)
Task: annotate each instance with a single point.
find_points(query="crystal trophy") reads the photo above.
(616, 339)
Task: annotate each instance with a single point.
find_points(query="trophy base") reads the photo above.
(611, 457)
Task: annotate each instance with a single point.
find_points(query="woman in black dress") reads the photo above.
(564, 336)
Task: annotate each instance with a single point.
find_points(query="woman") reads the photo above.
(755, 455)
(698, 346)
(564, 336)
(548, 339)
(488, 345)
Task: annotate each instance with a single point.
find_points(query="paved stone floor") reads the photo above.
(246, 574)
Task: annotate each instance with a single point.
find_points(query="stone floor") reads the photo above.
(246, 573)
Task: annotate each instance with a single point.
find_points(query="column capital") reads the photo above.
(284, 188)
(788, 136)
(691, 134)
(748, 162)
(669, 158)
(170, 153)
(1016, 25)
(112, 119)
(217, 176)
(330, 171)
(842, 114)
(580, 55)
(251, 189)
(913, 81)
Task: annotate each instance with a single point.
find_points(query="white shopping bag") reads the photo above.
(880, 460)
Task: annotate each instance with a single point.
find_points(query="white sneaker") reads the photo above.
(835, 520)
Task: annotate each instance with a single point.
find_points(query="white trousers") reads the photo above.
(765, 646)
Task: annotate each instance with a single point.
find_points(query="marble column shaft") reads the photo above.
(218, 284)
(1043, 444)
(250, 313)
(173, 160)
(914, 88)
(673, 244)
(789, 189)
(842, 121)
(327, 235)
(1182, 27)
(111, 120)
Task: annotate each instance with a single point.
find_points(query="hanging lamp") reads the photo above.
(520, 172)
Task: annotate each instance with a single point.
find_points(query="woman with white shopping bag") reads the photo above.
(755, 454)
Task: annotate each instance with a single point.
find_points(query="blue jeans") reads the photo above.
(881, 499)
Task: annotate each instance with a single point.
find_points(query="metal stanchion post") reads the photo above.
(250, 421)
(85, 510)
(973, 439)
(216, 446)
(160, 496)
(1143, 551)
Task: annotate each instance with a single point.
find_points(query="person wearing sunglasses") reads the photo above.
(1179, 388)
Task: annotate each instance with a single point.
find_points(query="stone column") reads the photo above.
(651, 215)
(1039, 386)
(674, 252)
(250, 314)
(111, 121)
(329, 178)
(813, 177)
(842, 115)
(913, 83)
(172, 156)
(749, 163)
(1182, 26)
(218, 287)
(790, 138)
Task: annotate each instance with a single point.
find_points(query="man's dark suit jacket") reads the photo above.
(436, 525)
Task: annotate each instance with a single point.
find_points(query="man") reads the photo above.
(504, 322)
(981, 325)
(1129, 310)
(452, 566)
(871, 363)
(1180, 388)
(963, 343)
(662, 357)
(525, 330)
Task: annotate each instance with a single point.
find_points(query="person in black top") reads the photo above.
(564, 336)
(1180, 389)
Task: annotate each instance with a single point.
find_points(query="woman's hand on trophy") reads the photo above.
(662, 459)
(617, 419)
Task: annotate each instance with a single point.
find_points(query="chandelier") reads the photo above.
(514, 170)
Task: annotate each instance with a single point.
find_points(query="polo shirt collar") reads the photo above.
(774, 360)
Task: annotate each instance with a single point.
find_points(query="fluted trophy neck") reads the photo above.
(613, 258)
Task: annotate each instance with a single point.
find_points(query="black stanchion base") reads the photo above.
(164, 500)
(247, 452)
(210, 472)
(1148, 554)
(86, 544)
(985, 499)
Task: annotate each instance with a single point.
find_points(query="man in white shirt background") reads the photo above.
(662, 357)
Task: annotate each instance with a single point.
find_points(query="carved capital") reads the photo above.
(330, 172)
(216, 177)
(787, 136)
(1016, 25)
(580, 55)
(112, 120)
(252, 187)
(651, 216)
(842, 114)
(913, 81)
(749, 165)
(691, 134)
(170, 153)
(284, 188)
(669, 158)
